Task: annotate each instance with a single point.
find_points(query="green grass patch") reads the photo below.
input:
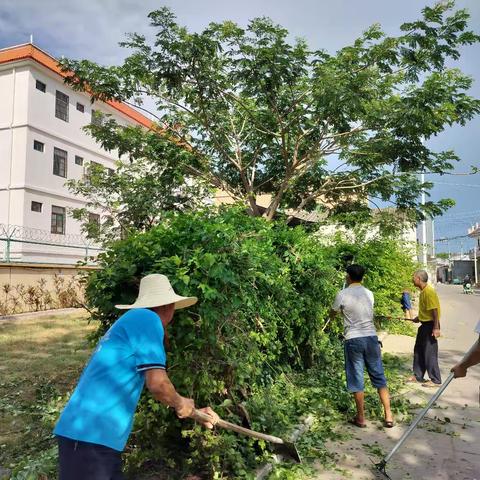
(40, 361)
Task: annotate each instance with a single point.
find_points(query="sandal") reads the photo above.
(413, 379)
(388, 423)
(354, 421)
(430, 384)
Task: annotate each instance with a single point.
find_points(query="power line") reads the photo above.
(456, 184)
(443, 239)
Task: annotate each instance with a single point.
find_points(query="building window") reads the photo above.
(78, 160)
(80, 107)
(97, 117)
(61, 106)
(58, 220)
(40, 86)
(94, 219)
(38, 146)
(60, 162)
(36, 206)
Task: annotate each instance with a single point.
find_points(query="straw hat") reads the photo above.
(155, 291)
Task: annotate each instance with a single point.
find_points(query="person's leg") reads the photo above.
(373, 362)
(385, 399)
(354, 366)
(360, 405)
(419, 367)
(431, 356)
(83, 460)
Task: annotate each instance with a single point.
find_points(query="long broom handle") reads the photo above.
(419, 417)
(203, 417)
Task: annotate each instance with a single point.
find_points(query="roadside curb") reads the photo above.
(305, 425)
(41, 313)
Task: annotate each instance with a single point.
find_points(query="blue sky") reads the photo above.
(92, 29)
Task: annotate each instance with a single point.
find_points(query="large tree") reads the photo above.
(260, 114)
(149, 180)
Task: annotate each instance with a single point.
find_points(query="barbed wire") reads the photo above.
(21, 232)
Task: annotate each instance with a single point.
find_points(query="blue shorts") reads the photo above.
(359, 353)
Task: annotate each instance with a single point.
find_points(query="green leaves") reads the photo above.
(260, 115)
(144, 186)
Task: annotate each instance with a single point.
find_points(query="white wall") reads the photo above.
(26, 175)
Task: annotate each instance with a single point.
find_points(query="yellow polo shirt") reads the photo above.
(428, 301)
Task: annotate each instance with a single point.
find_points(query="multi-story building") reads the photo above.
(42, 145)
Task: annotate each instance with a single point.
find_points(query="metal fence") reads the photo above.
(73, 247)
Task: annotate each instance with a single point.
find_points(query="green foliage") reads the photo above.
(262, 115)
(264, 291)
(142, 188)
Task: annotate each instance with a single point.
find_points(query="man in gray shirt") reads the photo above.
(362, 349)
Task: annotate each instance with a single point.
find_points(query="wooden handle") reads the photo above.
(203, 417)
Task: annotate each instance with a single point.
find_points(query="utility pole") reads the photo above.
(433, 238)
(424, 225)
(475, 264)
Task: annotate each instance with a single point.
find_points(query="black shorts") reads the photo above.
(83, 460)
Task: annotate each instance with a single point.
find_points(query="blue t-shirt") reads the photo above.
(102, 407)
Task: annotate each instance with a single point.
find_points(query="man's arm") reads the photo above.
(436, 323)
(162, 389)
(473, 358)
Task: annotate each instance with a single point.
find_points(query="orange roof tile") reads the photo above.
(30, 51)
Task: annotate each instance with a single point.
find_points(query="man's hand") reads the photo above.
(436, 332)
(415, 320)
(184, 407)
(459, 371)
(212, 414)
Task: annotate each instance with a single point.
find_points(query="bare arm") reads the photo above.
(162, 389)
(436, 323)
(473, 358)
(436, 320)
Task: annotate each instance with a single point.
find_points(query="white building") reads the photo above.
(42, 144)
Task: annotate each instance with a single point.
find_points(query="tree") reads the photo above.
(144, 186)
(261, 115)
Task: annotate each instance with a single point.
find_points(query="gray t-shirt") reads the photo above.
(356, 305)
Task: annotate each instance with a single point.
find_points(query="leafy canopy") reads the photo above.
(260, 114)
(137, 195)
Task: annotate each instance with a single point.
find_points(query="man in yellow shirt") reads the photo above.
(425, 353)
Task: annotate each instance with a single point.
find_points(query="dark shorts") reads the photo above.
(363, 352)
(83, 460)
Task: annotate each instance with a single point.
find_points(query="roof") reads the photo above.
(474, 231)
(29, 51)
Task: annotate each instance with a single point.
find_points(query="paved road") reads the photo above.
(447, 446)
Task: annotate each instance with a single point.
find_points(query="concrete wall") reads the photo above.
(28, 275)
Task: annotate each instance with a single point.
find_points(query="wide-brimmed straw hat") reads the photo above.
(155, 291)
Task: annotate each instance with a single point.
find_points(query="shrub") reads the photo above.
(43, 295)
(264, 291)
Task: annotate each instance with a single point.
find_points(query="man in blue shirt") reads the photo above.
(96, 422)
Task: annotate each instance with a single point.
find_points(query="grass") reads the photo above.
(41, 359)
